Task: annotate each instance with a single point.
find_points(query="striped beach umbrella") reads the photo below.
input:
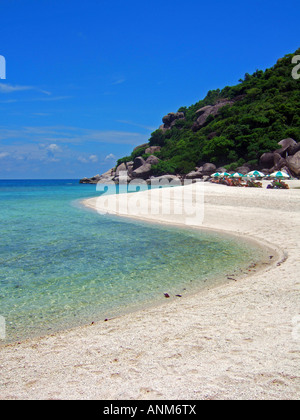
(237, 175)
(280, 174)
(216, 175)
(224, 174)
(256, 174)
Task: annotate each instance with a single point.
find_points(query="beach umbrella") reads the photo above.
(257, 174)
(216, 175)
(280, 174)
(224, 174)
(237, 175)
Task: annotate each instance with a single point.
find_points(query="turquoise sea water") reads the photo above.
(62, 265)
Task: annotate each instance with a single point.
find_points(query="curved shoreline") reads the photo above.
(95, 204)
(237, 341)
(278, 253)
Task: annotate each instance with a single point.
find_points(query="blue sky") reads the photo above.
(88, 81)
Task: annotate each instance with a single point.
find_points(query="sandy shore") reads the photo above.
(237, 341)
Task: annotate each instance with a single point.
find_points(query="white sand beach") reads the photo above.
(236, 341)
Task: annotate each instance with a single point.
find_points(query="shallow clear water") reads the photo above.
(62, 265)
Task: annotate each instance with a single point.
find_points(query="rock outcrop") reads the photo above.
(287, 157)
(194, 175)
(170, 119)
(141, 146)
(153, 160)
(293, 163)
(142, 171)
(206, 169)
(267, 160)
(204, 112)
(138, 161)
(243, 169)
(122, 167)
(287, 146)
(105, 178)
(139, 168)
(152, 149)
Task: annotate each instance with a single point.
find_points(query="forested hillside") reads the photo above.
(231, 126)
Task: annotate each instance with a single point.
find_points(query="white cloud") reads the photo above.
(54, 148)
(93, 158)
(46, 92)
(7, 88)
(110, 157)
(33, 152)
(82, 159)
(40, 99)
(89, 159)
